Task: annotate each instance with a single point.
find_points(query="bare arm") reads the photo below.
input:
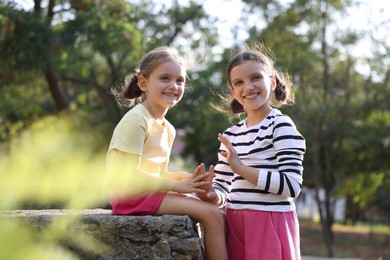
(177, 176)
(127, 179)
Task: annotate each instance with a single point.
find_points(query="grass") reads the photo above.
(362, 242)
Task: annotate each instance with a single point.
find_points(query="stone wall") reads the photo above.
(128, 237)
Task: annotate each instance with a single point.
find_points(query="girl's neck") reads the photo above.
(156, 112)
(256, 116)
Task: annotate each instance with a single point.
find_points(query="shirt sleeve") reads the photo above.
(118, 161)
(289, 147)
(223, 177)
(130, 133)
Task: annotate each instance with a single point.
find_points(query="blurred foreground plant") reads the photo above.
(54, 162)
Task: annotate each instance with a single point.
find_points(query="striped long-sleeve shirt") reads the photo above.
(276, 149)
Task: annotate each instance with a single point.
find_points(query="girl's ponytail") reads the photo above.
(128, 93)
(284, 90)
(280, 90)
(132, 90)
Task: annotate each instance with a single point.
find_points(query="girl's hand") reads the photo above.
(210, 195)
(206, 188)
(231, 154)
(194, 182)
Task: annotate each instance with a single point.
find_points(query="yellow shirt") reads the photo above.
(140, 134)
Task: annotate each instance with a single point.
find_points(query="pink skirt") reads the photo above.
(141, 205)
(263, 235)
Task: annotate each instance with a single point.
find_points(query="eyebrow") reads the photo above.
(251, 75)
(169, 74)
(234, 80)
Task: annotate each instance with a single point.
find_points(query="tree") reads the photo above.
(71, 55)
(80, 49)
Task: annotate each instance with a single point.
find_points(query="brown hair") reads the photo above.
(283, 93)
(129, 94)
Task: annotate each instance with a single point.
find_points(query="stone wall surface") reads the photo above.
(128, 237)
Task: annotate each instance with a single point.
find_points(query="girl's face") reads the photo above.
(252, 86)
(165, 85)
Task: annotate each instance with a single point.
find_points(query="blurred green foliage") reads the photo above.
(54, 163)
(49, 163)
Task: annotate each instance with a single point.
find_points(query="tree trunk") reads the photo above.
(326, 212)
(60, 100)
(52, 80)
(327, 223)
(323, 210)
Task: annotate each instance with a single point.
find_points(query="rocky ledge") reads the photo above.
(126, 237)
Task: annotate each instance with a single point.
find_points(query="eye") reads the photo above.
(164, 78)
(257, 77)
(180, 81)
(237, 83)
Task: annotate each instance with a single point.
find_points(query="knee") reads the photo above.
(214, 216)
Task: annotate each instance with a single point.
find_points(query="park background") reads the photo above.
(59, 59)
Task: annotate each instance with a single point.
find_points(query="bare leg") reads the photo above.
(207, 214)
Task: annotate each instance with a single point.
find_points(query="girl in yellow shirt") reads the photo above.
(141, 145)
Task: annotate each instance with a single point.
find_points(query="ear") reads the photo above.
(273, 81)
(142, 83)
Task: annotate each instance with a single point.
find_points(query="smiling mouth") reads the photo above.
(253, 95)
(170, 94)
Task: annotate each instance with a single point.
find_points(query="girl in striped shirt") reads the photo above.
(259, 169)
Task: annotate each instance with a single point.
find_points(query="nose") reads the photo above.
(173, 85)
(176, 84)
(249, 85)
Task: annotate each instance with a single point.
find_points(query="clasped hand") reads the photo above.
(193, 182)
(200, 181)
(207, 192)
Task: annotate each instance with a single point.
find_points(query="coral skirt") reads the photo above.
(141, 205)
